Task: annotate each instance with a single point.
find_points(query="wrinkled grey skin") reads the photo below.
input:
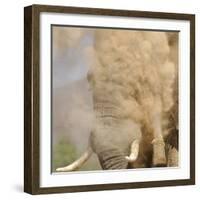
(112, 137)
(112, 143)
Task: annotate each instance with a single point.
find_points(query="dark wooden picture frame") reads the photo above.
(32, 98)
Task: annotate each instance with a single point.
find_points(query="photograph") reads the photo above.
(109, 99)
(114, 99)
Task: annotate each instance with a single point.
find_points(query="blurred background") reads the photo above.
(72, 104)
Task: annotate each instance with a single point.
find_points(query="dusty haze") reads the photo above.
(127, 74)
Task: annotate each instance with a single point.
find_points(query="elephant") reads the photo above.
(120, 141)
(131, 150)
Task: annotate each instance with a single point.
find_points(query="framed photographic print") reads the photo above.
(109, 99)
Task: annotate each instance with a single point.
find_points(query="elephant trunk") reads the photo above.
(112, 159)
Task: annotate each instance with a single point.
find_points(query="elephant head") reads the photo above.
(115, 141)
(121, 143)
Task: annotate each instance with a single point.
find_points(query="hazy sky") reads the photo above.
(72, 98)
(69, 61)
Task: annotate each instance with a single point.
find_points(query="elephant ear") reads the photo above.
(112, 159)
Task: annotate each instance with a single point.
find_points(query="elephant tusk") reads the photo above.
(134, 151)
(78, 163)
